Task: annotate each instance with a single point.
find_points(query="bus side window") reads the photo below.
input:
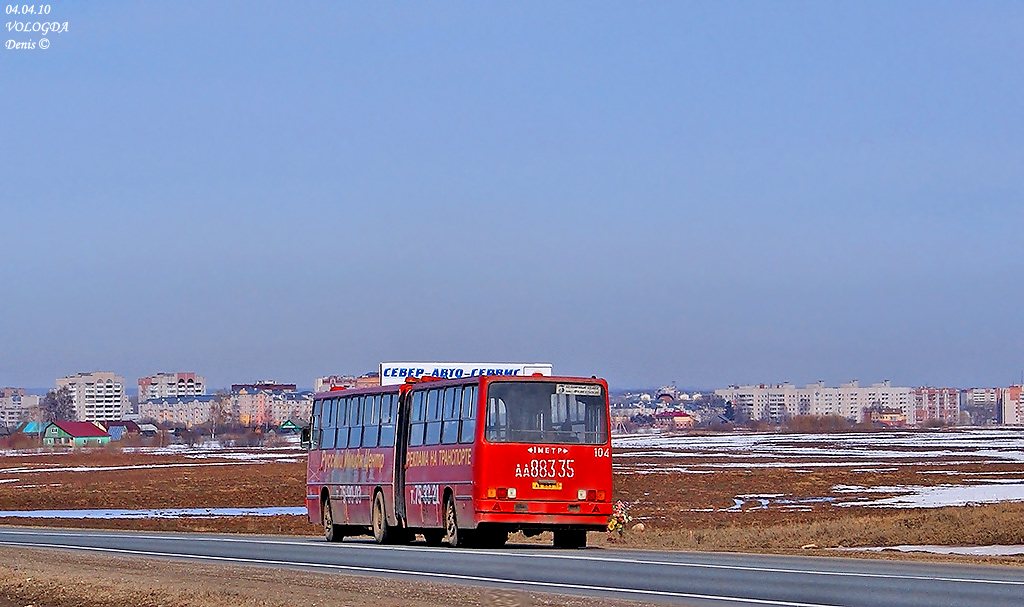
(497, 420)
(468, 432)
(371, 410)
(355, 412)
(387, 421)
(328, 429)
(418, 421)
(327, 442)
(315, 424)
(340, 417)
(371, 421)
(450, 415)
(433, 436)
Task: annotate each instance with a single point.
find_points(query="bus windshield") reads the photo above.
(546, 412)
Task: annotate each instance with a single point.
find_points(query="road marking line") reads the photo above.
(448, 576)
(534, 555)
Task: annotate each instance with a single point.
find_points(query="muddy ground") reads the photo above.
(669, 501)
(680, 510)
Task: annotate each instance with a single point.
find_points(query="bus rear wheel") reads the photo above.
(332, 532)
(382, 534)
(452, 536)
(570, 538)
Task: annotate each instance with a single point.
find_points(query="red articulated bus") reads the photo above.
(462, 461)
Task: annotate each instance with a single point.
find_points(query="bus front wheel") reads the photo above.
(332, 532)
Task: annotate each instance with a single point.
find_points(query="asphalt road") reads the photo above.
(681, 578)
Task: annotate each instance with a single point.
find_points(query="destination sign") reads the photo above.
(392, 373)
(578, 389)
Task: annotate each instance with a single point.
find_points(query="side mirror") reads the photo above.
(304, 440)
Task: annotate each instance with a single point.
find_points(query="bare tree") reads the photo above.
(58, 405)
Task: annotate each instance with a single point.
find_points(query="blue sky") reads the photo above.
(707, 193)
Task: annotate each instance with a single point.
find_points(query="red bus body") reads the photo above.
(509, 454)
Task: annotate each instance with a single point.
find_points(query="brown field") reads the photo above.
(679, 510)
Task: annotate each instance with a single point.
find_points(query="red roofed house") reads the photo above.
(673, 420)
(74, 434)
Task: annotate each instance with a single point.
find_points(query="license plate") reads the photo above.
(555, 486)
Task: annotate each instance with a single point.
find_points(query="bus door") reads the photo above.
(401, 450)
(422, 489)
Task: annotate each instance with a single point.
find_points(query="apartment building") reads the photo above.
(254, 408)
(186, 410)
(935, 404)
(324, 384)
(766, 402)
(248, 406)
(776, 403)
(1011, 405)
(16, 406)
(167, 385)
(982, 405)
(97, 396)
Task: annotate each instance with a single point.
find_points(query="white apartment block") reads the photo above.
(850, 400)
(98, 396)
(16, 406)
(766, 402)
(188, 411)
(980, 397)
(980, 405)
(166, 385)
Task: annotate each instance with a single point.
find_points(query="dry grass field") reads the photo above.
(705, 503)
(792, 496)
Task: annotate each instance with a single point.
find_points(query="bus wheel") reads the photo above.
(379, 520)
(451, 524)
(570, 538)
(332, 532)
